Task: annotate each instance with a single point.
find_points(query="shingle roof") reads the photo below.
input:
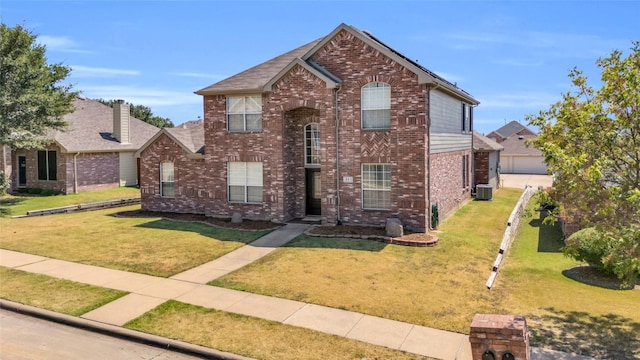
(190, 135)
(512, 128)
(90, 129)
(483, 143)
(517, 145)
(255, 78)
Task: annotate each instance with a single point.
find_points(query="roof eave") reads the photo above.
(256, 90)
(330, 83)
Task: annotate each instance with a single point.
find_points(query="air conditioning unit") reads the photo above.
(484, 192)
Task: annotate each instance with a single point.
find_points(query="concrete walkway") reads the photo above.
(147, 292)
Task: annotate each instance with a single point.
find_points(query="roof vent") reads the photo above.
(520, 137)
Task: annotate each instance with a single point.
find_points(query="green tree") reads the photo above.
(32, 101)
(143, 113)
(591, 142)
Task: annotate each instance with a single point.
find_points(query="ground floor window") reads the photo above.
(167, 179)
(245, 182)
(47, 165)
(465, 171)
(376, 186)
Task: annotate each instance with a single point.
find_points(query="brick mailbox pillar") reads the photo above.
(505, 336)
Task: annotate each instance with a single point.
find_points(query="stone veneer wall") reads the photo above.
(190, 184)
(446, 182)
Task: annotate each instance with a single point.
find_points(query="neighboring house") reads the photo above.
(344, 128)
(508, 130)
(96, 151)
(486, 161)
(519, 157)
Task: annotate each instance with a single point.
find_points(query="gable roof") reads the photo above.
(512, 128)
(260, 77)
(189, 136)
(483, 143)
(90, 129)
(517, 145)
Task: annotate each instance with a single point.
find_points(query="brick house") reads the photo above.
(343, 128)
(96, 151)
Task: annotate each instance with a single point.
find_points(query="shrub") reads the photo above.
(588, 245)
(4, 183)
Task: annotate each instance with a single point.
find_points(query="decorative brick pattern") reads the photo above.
(295, 100)
(499, 334)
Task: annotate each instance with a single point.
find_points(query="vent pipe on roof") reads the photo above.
(121, 122)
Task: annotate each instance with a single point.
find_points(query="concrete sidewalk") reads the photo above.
(147, 292)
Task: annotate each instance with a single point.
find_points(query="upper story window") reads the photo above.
(312, 144)
(244, 113)
(166, 179)
(47, 165)
(376, 106)
(467, 118)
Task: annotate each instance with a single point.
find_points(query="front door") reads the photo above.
(22, 171)
(314, 191)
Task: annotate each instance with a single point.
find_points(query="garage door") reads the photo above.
(528, 165)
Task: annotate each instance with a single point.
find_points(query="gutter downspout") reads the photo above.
(75, 173)
(429, 157)
(338, 221)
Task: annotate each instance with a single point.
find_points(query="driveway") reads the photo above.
(521, 180)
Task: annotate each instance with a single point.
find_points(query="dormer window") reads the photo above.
(244, 113)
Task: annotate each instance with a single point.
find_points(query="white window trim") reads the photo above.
(162, 181)
(246, 181)
(310, 146)
(257, 98)
(383, 88)
(363, 188)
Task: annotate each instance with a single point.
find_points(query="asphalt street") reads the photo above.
(24, 337)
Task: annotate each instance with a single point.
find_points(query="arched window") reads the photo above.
(166, 179)
(376, 105)
(312, 144)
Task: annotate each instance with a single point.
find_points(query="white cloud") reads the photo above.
(200, 75)
(86, 71)
(152, 97)
(525, 100)
(61, 43)
(449, 76)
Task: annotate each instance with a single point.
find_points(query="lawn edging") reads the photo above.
(510, 232)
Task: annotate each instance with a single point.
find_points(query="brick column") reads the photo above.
(500, 334)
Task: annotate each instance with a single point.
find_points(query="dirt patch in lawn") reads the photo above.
(249, 225)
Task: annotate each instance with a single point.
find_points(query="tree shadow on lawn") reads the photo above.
(549, 236)
(607, 336)
(312, 242)
(205, 230)
(5, 205)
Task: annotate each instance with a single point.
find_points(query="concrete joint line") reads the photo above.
(406, 337)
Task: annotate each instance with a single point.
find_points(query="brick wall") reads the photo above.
(481, 167)
(499, 334)
(57, 185)
(95, 171)
(446, 182)
(191, 190)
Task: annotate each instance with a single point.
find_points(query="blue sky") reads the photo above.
(513, 56)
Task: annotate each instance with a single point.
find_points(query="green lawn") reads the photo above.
(144, 245)
(53, 294)
(441, 287)
(19, 204)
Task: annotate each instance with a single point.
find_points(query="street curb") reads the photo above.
(119, 332)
